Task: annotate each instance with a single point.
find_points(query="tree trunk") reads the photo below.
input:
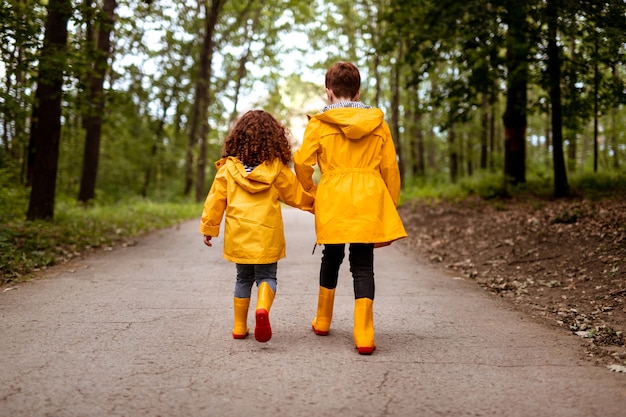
(201, 166)
(96, 102)
(375, 18)
(417, 134)
(516, 101)
(14, 107)
(417, 147)
(45, 131)
(201, 102)
(572, 126)
(569, 137)
(395, 115)
(158, 140)
(420, 164)
(377, 77)
(469, 154)
(613, 140)
(454, 156)
(204, 123)
(561, 187)
(245, 57)
(484, 130)
(14, 118)
(596, 99)
(492, 133)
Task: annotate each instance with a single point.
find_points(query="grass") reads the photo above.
(26, 247)
(492, 186)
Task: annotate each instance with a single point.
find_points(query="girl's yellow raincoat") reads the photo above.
(357, 195)
(253, 231)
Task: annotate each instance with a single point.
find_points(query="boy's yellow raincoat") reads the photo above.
(356, 198)
(253, 231)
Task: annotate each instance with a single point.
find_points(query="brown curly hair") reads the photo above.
(258, 137)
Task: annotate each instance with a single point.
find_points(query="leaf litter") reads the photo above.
(561, 261)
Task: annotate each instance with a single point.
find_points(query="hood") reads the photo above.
(355, 123)
(260, 179)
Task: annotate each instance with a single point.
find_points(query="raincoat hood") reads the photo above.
(260, 179)
(354, 123)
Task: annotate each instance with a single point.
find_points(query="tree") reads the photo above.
(199, 125)
(606, 32)
(444, 73)
(46, 118)
(453, 49)
(515, 122)
(395, 113)
(561, 187)
(251, 26)
(20, 33)
(96, 101)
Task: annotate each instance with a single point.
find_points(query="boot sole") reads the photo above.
(365, 350)
(262, 330)
(319, 332)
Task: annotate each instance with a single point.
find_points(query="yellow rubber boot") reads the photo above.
(240, 331)
(364, 326)
(265, 298)
(325, 303)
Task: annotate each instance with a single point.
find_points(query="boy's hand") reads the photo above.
(207, 241)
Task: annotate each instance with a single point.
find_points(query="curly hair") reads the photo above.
(256, 138)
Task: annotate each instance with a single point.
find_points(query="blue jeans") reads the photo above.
(248, 274)
(361, 260)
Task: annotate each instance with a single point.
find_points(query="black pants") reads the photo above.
(361, 265)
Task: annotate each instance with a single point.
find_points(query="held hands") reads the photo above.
(207, 241)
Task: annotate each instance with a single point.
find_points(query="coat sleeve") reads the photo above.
(290, 190)
(306, 157)
(214, 207)
(389, 170)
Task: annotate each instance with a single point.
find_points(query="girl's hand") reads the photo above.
(207, 241)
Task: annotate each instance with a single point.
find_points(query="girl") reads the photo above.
(252, 178)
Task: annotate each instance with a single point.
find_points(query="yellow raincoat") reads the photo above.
(357, 195)
(253, 231)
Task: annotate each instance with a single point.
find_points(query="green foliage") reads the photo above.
(29, 246)
(21, 35)
(484, 185)
(599, 184)
(491, 186)
(449, 57)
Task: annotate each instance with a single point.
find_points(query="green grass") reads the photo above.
(492, 186)
(486, 186)
(26, 247)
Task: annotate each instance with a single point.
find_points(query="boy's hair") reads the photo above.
(344, 79)
(258, 137)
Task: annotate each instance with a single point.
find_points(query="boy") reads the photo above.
(356, 198)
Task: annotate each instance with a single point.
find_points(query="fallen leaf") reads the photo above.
(617, 368)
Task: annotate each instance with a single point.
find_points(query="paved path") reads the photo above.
(146, 331)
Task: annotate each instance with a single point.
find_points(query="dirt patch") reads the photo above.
(562, 261)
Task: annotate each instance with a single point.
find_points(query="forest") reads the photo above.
(109, 101)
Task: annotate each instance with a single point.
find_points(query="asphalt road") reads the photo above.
(145, 330)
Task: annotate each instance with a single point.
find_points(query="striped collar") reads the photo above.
(346, 103)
